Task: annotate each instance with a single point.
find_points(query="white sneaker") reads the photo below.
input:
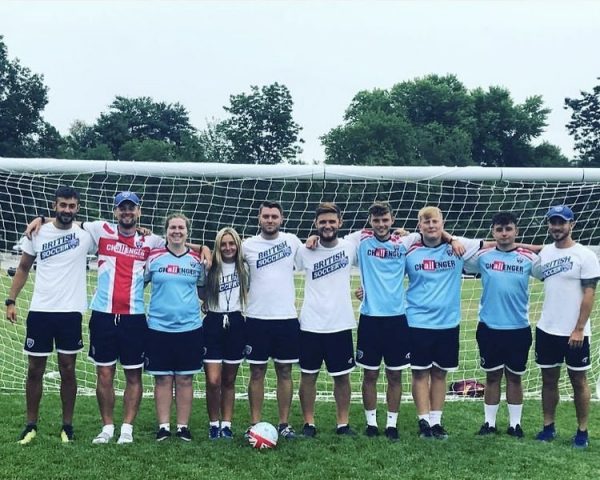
(102, 437)
(125, 438)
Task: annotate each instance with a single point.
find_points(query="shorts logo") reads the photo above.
(482, 361)
(204, 351)
(30, 342)
(92, 351)
(359, 354)
(247, 350)
(146, 362)
(585, 360)
(350, 361)
(407, 356)
(80, 343)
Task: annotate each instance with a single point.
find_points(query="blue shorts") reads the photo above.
(224, 341)
(174, 353)
(117, 338)
(336, 349)
(503, 348)
(386, 338)
(553, 350)
(431, 347)
(276, 339)
(45, 329)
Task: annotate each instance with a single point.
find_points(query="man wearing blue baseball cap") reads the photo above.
(570, 273)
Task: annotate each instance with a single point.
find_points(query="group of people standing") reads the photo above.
(248, 297)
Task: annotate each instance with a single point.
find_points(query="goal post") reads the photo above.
(215, 195)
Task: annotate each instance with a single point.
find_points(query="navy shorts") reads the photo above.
(276, 339)
(336, 349)
(45, 329)
(225, 341)
(503, 348)
(117, 338)
(383, 338)
(174, 353)
(431, 347)
(553, 350)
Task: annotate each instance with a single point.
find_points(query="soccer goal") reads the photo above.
(217, 195)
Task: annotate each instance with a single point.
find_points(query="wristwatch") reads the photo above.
(9, 301)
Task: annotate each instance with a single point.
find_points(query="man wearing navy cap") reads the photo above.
(570, 273)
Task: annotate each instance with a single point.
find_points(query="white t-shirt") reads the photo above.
(272, 293)
(562, 270)
(229, 290)
(327, 306)
(60, 280)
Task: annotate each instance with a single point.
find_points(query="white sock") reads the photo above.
(371, 416)
(110, 429)
(166, 426)
(127, 428)
(490, 412)
(514, 414)
(425, 417)
(392, 419)
(340, 425)
(435, 417)
(214, 424)
(225, 424)
(181, 425)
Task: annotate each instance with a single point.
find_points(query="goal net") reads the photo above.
(218, 195)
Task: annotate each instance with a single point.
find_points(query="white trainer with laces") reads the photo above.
(125, 437)
(102, 437)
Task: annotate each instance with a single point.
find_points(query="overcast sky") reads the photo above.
(198, 53)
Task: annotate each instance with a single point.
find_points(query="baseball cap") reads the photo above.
(561, 211)
(126, 197)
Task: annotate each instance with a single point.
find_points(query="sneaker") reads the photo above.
(226, 433)
(424, 429)
(214, 432)
(66, 433)
(515, 431)
(580, 440)
(487, 430)
(345, 430)
(391, 433)
(28, 434)
(184, 434)
(547, 434)
(247, 432)
(309, 431)
(102, 437)
(286, 431)
(124, 438)
(162, 434)
(372, 431)
(439, 432)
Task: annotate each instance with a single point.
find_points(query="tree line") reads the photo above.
(433, 120)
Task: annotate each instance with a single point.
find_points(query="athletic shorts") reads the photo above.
(117, 338)
(46, 329)
(276, 339)
(224, 340)
(383, 338)
(174, 353)
(336, 349)
(553, 350)
(503, 348)
(432, 347)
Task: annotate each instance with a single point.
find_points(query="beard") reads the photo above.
(65, 218)
(332, 236)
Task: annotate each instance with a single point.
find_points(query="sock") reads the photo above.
(110, 429)
(181, 425)
(392, 419)
(127, 428)
(425, 417)
(435, 417)
(514, 414)
(225, 424)
(214, 424)
(340, 425)
(166, 426)
(371, 416)
(490, 412)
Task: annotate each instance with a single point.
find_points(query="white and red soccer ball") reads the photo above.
(263, 435)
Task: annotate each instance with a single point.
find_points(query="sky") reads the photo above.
(199, 53)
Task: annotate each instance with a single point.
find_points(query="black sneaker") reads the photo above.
(286, 431)
(580, 440)
(226, 433)
(424, 429)
(371, 431)
(184, 434)
(345, 430)
(391, 433)
(28, 434)
(309, 431)
(439, 432)
(487, 430)
(66, 433)
(162, 434)
(213, 432)
(515, 431)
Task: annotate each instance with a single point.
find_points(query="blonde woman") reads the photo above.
(224, 330)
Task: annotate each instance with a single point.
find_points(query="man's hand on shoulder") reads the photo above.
(312, 242)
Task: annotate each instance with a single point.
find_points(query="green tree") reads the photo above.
(261, 129)
(584, 126)
(23, 96)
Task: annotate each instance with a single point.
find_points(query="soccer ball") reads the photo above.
(467, 388)
(263, 435)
